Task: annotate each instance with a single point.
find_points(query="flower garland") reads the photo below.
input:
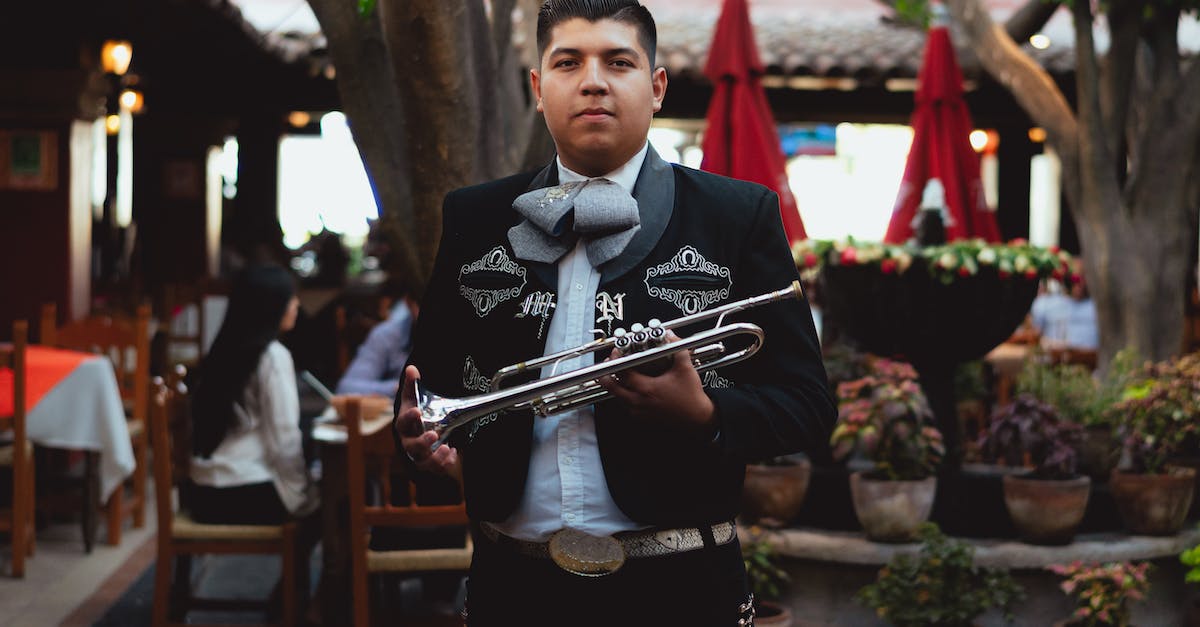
(946, 262)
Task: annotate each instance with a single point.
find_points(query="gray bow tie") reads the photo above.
(598, 210)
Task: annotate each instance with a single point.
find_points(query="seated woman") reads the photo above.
(248, 465)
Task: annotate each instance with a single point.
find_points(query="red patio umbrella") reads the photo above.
(741, 140)
(941, 149)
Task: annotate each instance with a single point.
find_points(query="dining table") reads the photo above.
(73, 402)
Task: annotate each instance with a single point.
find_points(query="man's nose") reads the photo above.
(593, 78)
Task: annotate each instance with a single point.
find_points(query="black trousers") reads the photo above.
(696, 588)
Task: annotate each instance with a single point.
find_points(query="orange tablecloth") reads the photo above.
(45, 367)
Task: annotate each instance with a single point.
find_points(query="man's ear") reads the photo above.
(535, 83)
(658, 80)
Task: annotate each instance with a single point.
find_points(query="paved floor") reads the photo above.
(60, 576)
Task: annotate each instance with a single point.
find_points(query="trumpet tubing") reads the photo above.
(641, 345)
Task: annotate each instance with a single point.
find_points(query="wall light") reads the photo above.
(115, 56)
(1039, 41)
(1037, 135)
(112, 124)
(979, 140)
(299, 119)
(132, 100)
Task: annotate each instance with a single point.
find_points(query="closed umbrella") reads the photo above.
(741, 140)
(941, 149)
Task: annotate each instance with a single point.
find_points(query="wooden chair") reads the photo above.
(17, 455)
(180, 538)
(375, 454)
(127, 344)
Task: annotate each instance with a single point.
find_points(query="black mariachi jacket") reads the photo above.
(705, 240)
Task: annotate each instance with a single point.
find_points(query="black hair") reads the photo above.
(555, 12)
(258, 300)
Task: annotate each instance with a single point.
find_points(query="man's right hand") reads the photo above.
(418, 443)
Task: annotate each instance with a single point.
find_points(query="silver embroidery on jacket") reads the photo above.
(611, 308)
(710, 379)
(477, 281)
(474, 381)
(689, 281)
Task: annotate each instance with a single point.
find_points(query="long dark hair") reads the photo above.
(258, 300)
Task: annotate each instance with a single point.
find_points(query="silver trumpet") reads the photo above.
(640, 346)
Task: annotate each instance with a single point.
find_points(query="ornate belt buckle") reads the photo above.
(586, 555)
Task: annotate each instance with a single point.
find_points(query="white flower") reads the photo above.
(987, 256)
(947, 260)
(1021, 263)
(903, 261)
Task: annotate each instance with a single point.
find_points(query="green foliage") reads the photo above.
(1191, 559)
(940, 587)
(886, 417)
(1103, 591)
(366, 7)
(1074, 392)
(969, 381)
(914, 12)
(1027, 431)
(763, 569)
(1157, 413)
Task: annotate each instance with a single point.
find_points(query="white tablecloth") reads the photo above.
(84, 411)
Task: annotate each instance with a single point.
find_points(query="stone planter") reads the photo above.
(1098, 453)
(772, 495)
(772, 614)
(1046, 511)
(891, 511)
(1154, 505)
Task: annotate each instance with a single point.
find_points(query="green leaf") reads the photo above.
(366, 7)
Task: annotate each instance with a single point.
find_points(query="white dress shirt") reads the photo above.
(265, 446)
(565, 486)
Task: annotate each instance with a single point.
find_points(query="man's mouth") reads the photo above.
(594, 113)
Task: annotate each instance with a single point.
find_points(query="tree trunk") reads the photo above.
(377, 122)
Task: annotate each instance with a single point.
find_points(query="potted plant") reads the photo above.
(774, 490)
(1102, 592)
(1082, 398)
(1047, 503)
(767, 578)
(1156, 416)
(885, 419)
(939, 587)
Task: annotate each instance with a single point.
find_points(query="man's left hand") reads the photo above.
(674, 397)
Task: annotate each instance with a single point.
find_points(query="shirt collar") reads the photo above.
(626, 176)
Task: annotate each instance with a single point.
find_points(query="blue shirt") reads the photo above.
(377, 366)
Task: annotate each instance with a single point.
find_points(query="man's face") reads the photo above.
(598, 93)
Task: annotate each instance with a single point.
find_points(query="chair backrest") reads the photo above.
(126, 342)
(14, 358)
(170, 430)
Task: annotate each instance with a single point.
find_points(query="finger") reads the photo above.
(408, 395)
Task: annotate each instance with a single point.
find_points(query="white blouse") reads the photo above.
(266, 443)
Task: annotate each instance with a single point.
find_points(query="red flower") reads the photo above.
(849, 257)
(1004, 274)
(810, 259)
(964, 271)
(1031, 273)
(1057, 274)
(888, 266)
(1020, 241)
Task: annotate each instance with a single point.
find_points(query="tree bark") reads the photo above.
(377, 123)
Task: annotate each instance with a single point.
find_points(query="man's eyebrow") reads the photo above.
(611, 52)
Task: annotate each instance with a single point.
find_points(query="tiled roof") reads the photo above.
(820, 38)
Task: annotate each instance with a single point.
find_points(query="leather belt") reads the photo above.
(578, 553)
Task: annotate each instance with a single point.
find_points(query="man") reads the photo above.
(636, 493)
(380, 359)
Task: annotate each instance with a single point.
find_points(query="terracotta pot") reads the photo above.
(1098, 453)
(1154, 505)
(1046, 511)
(772, 495)
(891, 511)
(773, 614)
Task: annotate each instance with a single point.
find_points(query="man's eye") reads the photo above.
(565, 63)
(622, 63)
